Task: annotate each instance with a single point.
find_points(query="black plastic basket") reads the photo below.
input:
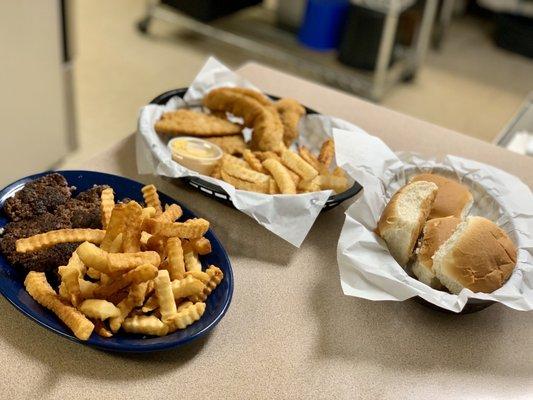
(219, 194)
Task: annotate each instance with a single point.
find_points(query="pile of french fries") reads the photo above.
(141, 273)
(284, 172)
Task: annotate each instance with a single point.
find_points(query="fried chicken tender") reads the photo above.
(254, 94)
(290, 112)
(193, 123)
(233, 144)
(41, 291)
(264, 119)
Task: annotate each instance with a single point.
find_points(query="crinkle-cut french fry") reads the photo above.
(297, 164)
(243, 173)
(229, 159)
(338, 184)
(101, 330)
(192, 263)
(187, 316)
(157, 243)
(184, 305)
(202, 246)
(142, 273)
(41, 291)
(63, 292)
(113, 263)
(191, 229)
(105, 279)
(176, 262)
(294, 176)
(215, 277)
(145, 325)
(99, 309)
(259, 187)
(70, 275)
(273, 186)
(148, 212)
(339, 172)
(327, 152)
(51, 238)
(265, 155)
(151, 198)
(131, 235)
(171, 214)
(253, 161)
(186, 287)
(312, 160)
(165, 297)
(107, 203)
(310, 186)
(281, 175)
(93, 273)
(87, 288)
(151, 304)
(145, 236)
(115, 226)
(135, 298)
(150, 287)
(116, 246)
(200, 275)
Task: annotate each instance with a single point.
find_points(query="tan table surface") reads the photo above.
(290, 332)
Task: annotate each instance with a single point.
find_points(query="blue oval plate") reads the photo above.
(12, 288)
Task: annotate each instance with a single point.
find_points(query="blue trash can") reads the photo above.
(323, 23)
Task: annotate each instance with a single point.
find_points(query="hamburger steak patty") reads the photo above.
(32, 212)
(37, 197)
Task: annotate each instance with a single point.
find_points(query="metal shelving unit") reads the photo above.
(255, 31)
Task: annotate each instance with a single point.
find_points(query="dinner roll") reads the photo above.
(453, 198)
(479, 256)
(435, 233)
(404, 216)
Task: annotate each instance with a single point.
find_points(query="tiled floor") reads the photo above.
(470, 86)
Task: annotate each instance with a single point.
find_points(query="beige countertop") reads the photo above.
(290, 332)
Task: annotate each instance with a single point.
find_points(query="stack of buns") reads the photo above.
(425, 226)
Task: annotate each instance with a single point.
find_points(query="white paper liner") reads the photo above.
(288, 216)
(366, 267)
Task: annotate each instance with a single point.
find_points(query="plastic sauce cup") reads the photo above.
(196, 154)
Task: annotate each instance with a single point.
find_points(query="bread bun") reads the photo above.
(403, 218)
(453, 198)
(479, 256)
(435, 233)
